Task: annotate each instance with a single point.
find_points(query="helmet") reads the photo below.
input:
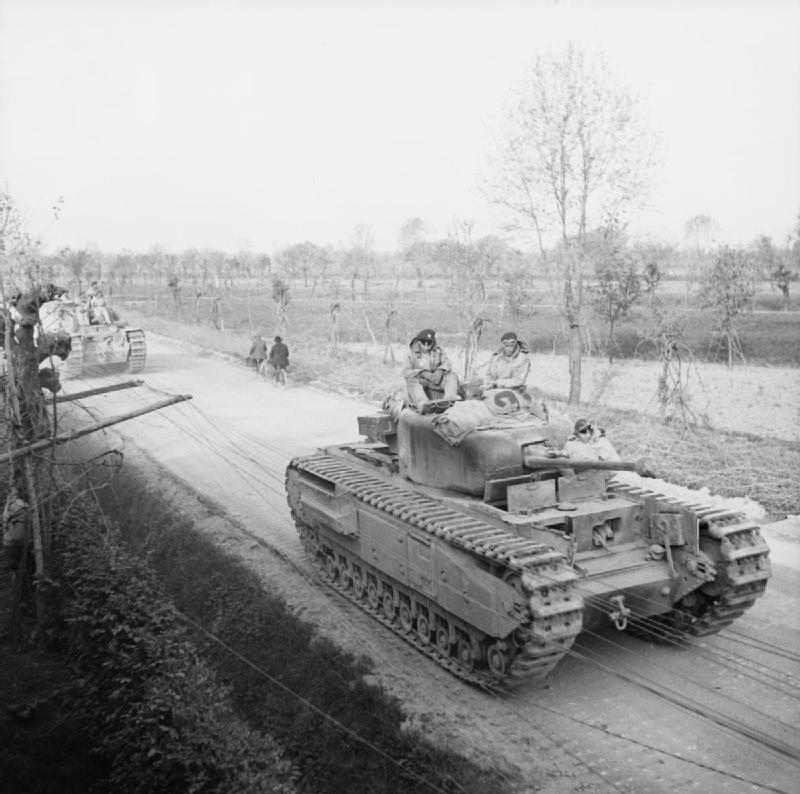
(508, 335)
(426, 335)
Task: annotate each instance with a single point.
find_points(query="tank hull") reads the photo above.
(106, 346)
(495, 578)
(499, 608)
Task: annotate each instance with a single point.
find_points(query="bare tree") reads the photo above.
(410, 242)
(781, 278)
(698, 232)
(616, 284)
(666, 335)
(304, 260)
(359, 260)
(784, 269)
(77, 264)
(571, 154)
(24, 405)
(390, 325)
(281, 297)
(466, 267)
(335, 311)
(727, 289)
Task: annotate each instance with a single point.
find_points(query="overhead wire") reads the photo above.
(201, 437)
(653, 685)
(646, 745)
(319, 584)
(674, 697)
(198, 435)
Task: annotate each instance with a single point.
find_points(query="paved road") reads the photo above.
(619, 715)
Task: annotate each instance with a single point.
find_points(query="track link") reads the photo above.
(555, 612)
(741, 557)
(74, 362)
(137, 353)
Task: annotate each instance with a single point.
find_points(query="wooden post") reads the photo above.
(44, 443)
(66, 398)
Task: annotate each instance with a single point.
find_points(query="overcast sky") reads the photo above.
(261, 123)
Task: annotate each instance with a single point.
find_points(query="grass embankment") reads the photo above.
(172, 669)
(728, 464)
(118, 698)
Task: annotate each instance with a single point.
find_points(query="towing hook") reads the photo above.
(619, 616)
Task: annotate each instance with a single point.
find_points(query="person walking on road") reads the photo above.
(278, 359)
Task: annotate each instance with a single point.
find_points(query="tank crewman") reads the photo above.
(279, 355)
(586, 443)
(510, 364)
(428, 372)
(258, 353)
(99, 309)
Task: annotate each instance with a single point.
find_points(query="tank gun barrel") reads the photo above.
(557, 462)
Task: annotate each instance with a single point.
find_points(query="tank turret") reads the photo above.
(465, 530)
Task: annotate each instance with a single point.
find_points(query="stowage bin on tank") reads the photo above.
(461, 532)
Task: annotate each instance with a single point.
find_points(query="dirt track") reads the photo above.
(585, 729)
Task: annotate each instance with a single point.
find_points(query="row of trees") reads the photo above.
(572, 161)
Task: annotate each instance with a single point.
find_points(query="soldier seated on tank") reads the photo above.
(82, 311)
(509, 366)
(428, 373)
(99, 309)
(588, 443)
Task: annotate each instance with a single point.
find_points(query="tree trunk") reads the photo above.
(729, 337)
(28, 414)
(574, 364)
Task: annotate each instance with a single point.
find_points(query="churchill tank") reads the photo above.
(96, 340)
(463, 529)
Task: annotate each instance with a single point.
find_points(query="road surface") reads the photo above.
(619, 714)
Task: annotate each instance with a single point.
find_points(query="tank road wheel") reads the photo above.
(497, 659)
(387, 602)
(464, 655)
(373, 599)
(358, 585)
(423, 628)
(443, 641)
(406, 621)
(331, 569)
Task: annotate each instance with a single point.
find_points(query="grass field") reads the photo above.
(767, 336)
(729, 464)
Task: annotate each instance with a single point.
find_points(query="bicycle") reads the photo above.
(278, 374)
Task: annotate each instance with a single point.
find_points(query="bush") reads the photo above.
(151, 706)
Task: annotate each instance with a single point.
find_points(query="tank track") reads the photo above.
(138, 350)
(742, 560)
(553, 623)
(74, 362)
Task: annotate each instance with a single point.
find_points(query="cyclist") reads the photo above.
(257, 354)
(279, 360)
